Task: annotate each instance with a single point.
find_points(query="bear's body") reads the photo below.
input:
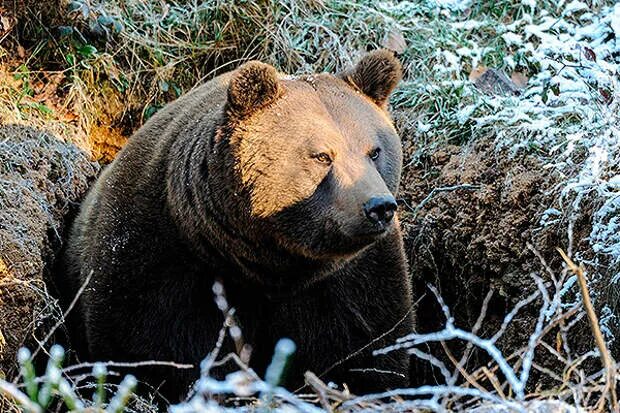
(201, 193)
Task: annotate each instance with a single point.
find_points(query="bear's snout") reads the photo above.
(380, 210)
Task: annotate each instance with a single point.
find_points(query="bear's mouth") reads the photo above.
(370, 235)
(375, 231)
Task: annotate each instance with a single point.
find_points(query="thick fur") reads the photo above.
(224, 184)
(254, 87)
(376, 75)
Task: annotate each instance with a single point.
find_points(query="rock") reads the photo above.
(495, 82)
(41, 179)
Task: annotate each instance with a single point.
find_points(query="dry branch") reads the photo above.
(608, 362)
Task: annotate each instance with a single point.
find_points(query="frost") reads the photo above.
(464, 114)
(530, 3)
(564, 107)
(550, 216)
(569, 110)
(512, 38)
(453, 5)
(468, 25)
(574, 6)
(423, 127)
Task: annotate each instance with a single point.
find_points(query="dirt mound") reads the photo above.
(472, 222)
(41, 180)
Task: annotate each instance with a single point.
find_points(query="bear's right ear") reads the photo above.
(252, 87)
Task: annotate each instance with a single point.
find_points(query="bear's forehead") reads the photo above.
(324, 108)
(342, 102)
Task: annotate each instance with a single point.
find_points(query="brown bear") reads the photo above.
(280, 187)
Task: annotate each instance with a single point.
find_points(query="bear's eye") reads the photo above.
(374, 154)
(323, 158)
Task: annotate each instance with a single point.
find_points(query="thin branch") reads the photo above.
(373, 341)
(435, 191)
(64, 315)
(608, 362)
(147, 363)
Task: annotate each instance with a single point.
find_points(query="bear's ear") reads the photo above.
(252, 87)
(376, 75)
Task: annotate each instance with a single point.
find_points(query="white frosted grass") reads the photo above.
(244, 383)
(579, 61)
(517, 381)
(512, 38)
(453, 5)
(435, 391)
(125, 390)
(579, 72)
(450, 332)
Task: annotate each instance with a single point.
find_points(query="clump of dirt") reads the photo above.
(472, 222)
(106, 142)
(41, 179)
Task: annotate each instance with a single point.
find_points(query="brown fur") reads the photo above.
(254, 87)
(225, 183)
(376, 75)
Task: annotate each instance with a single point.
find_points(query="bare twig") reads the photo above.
(435, 191)
(64, 315)
(459, 367)
(212, 356)
(146, 363)
(608, 362)
(373, 341)
(318, 385)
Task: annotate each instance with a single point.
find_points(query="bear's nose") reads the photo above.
(380, 209)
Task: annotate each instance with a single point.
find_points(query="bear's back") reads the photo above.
(136, 180)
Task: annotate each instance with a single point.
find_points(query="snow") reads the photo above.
(453, 5)
(574, 6)
(424, 127)
(530, 3)
(512, 38)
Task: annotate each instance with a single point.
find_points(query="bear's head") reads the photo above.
(308, 166)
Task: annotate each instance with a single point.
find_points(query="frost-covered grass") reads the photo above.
(569, 115)
(118, 61)
(38, 394)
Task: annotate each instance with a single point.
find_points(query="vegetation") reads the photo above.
(116, 62)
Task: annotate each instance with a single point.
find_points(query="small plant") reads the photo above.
(38, 394)
(245, 383)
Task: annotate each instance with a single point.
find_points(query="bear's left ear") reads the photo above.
(376, 75)
(253, 86)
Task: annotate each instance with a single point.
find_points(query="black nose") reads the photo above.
(380, 209)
